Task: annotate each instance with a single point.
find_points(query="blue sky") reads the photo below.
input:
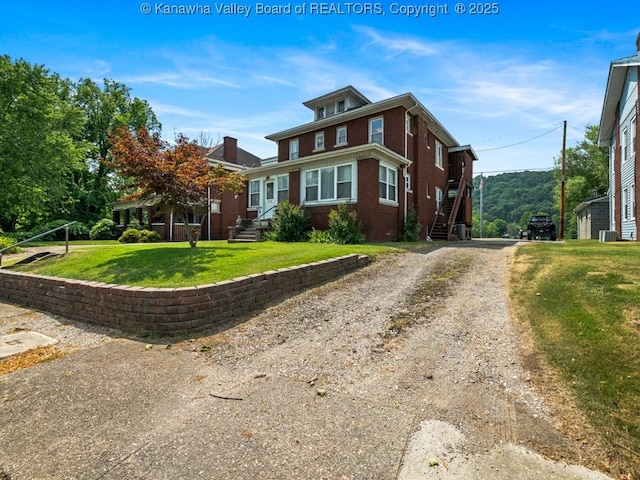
(493, 80)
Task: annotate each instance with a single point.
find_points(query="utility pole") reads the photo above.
(563, 179)
(481, 189)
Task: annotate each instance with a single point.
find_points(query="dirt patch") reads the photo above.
(29, 359)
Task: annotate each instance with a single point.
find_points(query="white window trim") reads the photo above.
(439, 192)
(407, 124)
(632, 201)
(386, 201)
(278, 189)
(346, 138)
(439, 161)
(259, 193)
(293, 142)
(315, 144)
(371, 120)
(328, 201)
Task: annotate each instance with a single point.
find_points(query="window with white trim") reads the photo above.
(254, 193)
(341, 135)
(632, 201)
(387, 183)
(321, 112)
(408, 124)
(634, 131)
(294, 149)
(439, 160)
(319, 145)
(340, 106)
(439, 197)
(283, 188)
(625, 144)
(376, 130)
(328, 183)
(626, 203)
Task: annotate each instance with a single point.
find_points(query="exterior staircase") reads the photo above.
(249, 231)
(442, 228)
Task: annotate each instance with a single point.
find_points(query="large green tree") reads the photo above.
(40, 132)
(586, 175)
(106, 108)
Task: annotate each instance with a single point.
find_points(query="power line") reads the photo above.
(520, 143)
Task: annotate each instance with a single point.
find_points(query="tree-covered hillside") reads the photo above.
(509, 199)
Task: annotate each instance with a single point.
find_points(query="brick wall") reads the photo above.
(166, 310)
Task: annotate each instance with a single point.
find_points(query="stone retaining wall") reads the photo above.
(166, 310)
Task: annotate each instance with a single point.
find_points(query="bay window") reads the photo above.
(328, 183)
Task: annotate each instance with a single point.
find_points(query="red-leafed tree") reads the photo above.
(176, 177)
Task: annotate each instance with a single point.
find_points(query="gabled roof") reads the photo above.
(406, 100)
(615, 85)
(588, 203)
(245, 159)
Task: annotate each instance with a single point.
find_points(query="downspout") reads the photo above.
(405, 172)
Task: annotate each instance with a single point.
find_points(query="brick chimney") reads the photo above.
(230, 149)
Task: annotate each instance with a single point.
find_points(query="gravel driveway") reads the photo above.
(410, 368)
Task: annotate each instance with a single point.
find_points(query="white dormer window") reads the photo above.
(321, 112)
(341, 106)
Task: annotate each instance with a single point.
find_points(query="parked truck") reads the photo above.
(540, 227)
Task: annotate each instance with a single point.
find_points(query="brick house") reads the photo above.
(384, 158)
(220, 212)
(619, 131)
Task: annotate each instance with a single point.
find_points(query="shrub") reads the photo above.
(411, 228)
(7, 242)
(133, 235)
(105, 229)
(344, 226)
(149, 236)
(319, 236)
(130, 235)
(289, 224)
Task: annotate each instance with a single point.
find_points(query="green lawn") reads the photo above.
(178, 265)
(582, 299)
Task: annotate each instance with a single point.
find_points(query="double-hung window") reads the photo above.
(439, 161)
(254, 193)
(283, 188)
(294, 149)
(376, 130)
(387, 183)
(319, 141)
(328, 183)
(341, 135)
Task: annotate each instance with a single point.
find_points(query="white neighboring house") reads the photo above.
(619, 131)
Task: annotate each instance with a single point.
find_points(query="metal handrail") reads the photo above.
(66, 250)
(263, 214)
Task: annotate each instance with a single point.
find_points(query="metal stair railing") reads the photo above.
(456, 206)
(66, 239)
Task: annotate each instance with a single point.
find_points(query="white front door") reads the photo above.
(270, 199)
